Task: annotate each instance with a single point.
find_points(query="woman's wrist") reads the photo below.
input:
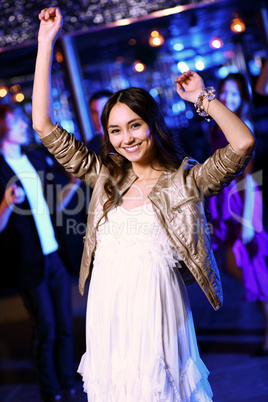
(203, 100)
(45, 45)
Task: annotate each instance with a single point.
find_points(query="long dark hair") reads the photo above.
(169, 153)
(4, 110)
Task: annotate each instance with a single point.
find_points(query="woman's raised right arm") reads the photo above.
(42, 107)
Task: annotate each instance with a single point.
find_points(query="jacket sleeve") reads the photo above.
(219, 170)
(73, 155)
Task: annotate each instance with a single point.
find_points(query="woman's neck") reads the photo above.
(11, 150)
(147, 172)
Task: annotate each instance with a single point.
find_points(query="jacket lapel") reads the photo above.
(7, 173)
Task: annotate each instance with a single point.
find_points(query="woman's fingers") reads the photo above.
(50, 24)
(47, 13)
(183, 81)
(189, 85)
(185, 75)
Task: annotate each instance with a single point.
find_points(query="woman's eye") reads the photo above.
(114, 131)
(135, 125)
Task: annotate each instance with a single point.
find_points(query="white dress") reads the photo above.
(140, 338)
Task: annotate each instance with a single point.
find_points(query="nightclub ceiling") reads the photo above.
(194, 28)
(100, 34)
(19, 22)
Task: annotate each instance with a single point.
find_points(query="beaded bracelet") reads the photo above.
(208, 93)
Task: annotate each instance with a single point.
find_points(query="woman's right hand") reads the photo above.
(50, 25)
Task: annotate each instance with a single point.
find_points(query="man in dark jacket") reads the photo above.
(30, 248)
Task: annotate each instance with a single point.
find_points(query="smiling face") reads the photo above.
(130, 135)
(230, 95)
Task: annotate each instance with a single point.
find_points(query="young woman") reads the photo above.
(146, 228)
(237, 212)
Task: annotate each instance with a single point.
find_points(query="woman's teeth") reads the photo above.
(132, 149)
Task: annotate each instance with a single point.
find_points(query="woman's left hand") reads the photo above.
(189, 86)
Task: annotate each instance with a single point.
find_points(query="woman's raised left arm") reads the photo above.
(241, 139)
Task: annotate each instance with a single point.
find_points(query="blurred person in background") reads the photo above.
(237, 212)
(261, 86)
(96, 104)
(31, 253)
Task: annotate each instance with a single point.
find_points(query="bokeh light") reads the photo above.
(138, 66)
(216, 43)
(3, 92)
(183, 67)
(19, 97)
(156, 39)
(237, 25)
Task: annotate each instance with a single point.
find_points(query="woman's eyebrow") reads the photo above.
(129, 122)
(136, 118)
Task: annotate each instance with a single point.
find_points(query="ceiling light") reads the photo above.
(132, 42)
(182, 66)
(199, 65)
(216, 43)
(178, 47)
(155, 34)
(138, 66)
(237, 25)
(156, 39)
(125, 21)
(15, 88)
(19, 97)
(59, 57)
(3, 92)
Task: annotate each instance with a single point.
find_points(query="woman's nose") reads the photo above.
(128, 138)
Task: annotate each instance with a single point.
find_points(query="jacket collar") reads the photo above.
(127, 182)
(161, 189)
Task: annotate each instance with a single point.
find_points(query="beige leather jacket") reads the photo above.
(176, 199)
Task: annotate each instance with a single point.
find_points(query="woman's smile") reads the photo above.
(133, 148)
